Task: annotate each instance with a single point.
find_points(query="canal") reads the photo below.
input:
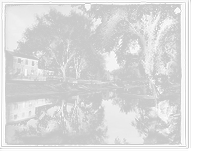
(109, 117)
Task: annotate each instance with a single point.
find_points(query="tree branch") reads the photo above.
(54, 56)
(142, 39)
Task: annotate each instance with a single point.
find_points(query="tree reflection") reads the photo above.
(147, 125)
(82, 113)
(157, 121)
(125, 102)
(75, 120)
(83, 117)
(142, 119)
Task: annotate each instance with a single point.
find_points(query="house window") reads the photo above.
(26, 61)
(19, 60)
(30, 104)
(16, 107)
(23, 114)
(32, 72)
(18, 71)
(44, 73)
(33, 63)
(15, 116)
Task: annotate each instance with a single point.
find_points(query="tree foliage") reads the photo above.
(131, 71)
(168, 59)
(96, 66)
(59, 37)
(146, 23)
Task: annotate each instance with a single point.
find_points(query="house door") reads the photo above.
(25, 72)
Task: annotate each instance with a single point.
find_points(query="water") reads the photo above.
(93, 118)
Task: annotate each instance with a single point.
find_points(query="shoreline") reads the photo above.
(29, 90)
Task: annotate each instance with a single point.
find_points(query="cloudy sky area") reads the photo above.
(20, 17)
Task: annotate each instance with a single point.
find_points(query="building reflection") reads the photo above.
(24, 110)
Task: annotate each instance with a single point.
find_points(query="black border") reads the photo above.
(183, 131)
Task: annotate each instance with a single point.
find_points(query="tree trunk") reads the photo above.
(77, 75)
(63, 69)
(60, 111)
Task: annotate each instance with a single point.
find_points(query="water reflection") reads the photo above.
(109, 117)
(20, 111)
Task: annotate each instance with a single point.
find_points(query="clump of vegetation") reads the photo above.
(30, 131)
(164, 121)
(172, 125)
(47, 124)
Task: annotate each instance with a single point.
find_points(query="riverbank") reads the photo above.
(22, 90)
(169, 112)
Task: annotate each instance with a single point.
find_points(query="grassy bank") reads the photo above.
(22, 90)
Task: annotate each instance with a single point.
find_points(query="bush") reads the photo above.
(47, 124)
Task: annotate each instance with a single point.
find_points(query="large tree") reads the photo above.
(154, 28)
(129, 72)
(168, 59)
(96, 67)
(61, 41)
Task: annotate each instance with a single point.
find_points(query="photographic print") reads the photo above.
(96, 75)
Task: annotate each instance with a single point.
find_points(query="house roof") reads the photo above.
(8, 53)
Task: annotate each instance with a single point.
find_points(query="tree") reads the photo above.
(131, 71)
(168, 61)
(96, 66)
(83, 46)
(148, 25)
(60, 41)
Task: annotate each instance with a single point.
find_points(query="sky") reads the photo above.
(20, 17)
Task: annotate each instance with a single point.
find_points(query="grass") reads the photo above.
(32, 86)
(51, 87)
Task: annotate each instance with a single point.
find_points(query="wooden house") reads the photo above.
(20, 66)
(24, 67)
